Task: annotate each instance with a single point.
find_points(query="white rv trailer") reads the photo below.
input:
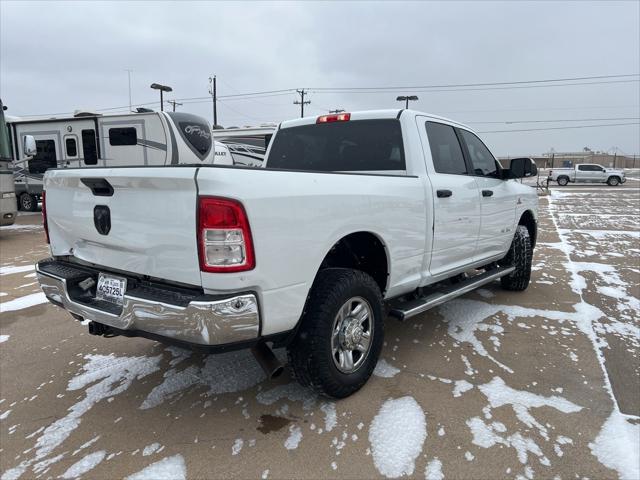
(90, 139)
(247, 145)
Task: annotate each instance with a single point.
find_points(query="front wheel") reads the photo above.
(563, 181)
(340, 335)
(613, 181)
(520, 255)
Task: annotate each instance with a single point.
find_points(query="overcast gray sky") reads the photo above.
(56, 57)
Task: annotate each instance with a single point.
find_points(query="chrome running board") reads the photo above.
(402, 310)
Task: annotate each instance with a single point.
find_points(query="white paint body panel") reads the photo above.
(295, 219)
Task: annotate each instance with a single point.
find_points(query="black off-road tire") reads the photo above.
(310, 355)
(563, 181)
(613, 181)
(520, 255)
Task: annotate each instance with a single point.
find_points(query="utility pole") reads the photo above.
(129, 75)
(337, 110)
(213, 93)
(173, 103)
(302, 102)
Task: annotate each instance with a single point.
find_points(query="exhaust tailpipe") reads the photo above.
(96, 328)
(267, 360)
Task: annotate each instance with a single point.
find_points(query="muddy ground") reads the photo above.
(496, 384)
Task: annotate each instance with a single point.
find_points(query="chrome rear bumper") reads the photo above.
(202, 320)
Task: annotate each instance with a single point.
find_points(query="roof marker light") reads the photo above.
(338, 117)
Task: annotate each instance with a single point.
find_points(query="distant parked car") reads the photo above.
(588, 173)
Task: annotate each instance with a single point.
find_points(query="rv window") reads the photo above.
(89, 150)
(122, 136)
(72, 148)
(45, 158)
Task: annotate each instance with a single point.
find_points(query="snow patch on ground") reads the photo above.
(434, 470)
(170, 468)
(295, 436)
(10, 269)
(237, 446)
(617, 446)
(88, 462)
(460, 387)
(108, 376)
(224, 373)
(397, 434)
(291, 391)
(23, 302)
(330, 417)
(150, 449)
(385, 370)
(500, 394)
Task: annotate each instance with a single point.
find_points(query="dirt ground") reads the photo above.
(495, 384)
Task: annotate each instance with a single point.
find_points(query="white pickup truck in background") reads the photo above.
(355, 215)
(588, 173)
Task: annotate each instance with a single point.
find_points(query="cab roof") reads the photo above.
(374, 115)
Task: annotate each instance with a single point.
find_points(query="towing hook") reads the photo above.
(267, 360)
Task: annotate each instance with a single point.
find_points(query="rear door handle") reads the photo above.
(444, 193)
(487, 193)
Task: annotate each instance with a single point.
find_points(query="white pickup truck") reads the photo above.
(588, 173)
(356, 215)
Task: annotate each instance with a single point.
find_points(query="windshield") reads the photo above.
(5, 152)
(361, 145)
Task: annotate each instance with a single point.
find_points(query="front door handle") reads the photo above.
(487, 193)
(444, 193)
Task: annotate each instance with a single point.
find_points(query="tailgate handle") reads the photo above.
(99, 186)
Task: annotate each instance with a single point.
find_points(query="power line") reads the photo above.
(560, 128)
(373, 90)
(547, 80)
(478, 89)
(508, 122)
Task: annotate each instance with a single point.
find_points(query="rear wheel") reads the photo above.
(28, 202)
(340, 335)
(613, 181)
(519, 256)
(563, 181)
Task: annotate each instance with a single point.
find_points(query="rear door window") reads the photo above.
(483, 162)
(445, 149)
(89, 148)
(360, 145)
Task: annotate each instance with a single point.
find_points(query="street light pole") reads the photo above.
(162, 88)
(213, 92)
(406, 99)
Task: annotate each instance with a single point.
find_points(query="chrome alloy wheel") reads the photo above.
(351, 335)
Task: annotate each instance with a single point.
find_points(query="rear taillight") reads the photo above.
(337, 117)
(224, 236)
(44, 215)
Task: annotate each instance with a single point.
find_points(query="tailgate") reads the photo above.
(152, 214)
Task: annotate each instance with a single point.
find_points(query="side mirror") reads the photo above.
(29, 146)
(522, 168)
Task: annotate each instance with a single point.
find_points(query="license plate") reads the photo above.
(111, 289)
